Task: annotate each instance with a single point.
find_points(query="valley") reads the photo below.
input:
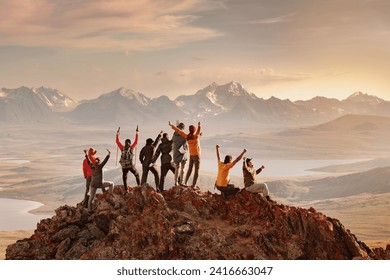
(323, 153)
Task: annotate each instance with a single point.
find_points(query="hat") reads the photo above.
(149, 141)
(180, 125)
(91, 151)
(248, 160)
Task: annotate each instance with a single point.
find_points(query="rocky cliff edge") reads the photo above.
(183, 223)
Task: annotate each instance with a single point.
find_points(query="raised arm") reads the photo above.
(106, 158)
(156, 154)
(239, 157)
(260, 169)
(198, 130)
(136, 139)
(181, 132)
(218, 154)
(157, 139)
(244, 164)
(118, 142)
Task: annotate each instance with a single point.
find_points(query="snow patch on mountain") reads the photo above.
(364, 97)
(56, 100)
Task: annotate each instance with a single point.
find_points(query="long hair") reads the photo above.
(192, 130)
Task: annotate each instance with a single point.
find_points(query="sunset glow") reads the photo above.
(294, 49)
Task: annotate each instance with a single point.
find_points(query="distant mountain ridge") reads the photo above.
(230, 103)
(33, 104)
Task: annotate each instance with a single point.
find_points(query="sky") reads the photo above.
(290, 49)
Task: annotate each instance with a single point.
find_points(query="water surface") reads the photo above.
(14, 214)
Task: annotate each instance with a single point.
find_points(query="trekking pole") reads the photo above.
(135, 162)
(117, 149)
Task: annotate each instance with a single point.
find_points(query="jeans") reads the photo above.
(107, 184)
(179, 173)
(194, 161)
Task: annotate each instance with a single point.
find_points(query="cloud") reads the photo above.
(273, 20)
(260, 76)
(131, 26)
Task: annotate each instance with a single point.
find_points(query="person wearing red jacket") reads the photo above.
(88, 174)
(127, 159)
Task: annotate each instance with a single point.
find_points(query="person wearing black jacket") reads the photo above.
(165, 149)
(145, 157)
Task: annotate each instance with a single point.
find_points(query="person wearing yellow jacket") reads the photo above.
(194, 150)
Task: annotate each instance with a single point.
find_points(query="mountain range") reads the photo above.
(230, 103)
(33, 104)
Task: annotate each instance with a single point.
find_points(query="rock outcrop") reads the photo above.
(183, 223)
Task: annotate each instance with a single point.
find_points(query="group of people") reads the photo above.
(249, 173)
(173, 158)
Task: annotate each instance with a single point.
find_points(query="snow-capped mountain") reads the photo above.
(217, 104)
(112, 107)
(123, 105)
(23, 105)
(56, 100)
(214, 99)
(359, 97)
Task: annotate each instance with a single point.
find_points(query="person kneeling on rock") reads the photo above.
(222, 183)
(249, 173)
(97, 177)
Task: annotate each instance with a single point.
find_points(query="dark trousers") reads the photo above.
(194, 162)
(88, 180)
(228, 190)
(132, 170)
(145, 170)
(165, 167)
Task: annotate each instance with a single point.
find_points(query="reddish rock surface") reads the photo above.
(183, 223)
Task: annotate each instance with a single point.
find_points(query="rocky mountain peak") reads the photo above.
(56, 100)
(128, 94)
(183, 223)
(363, 98)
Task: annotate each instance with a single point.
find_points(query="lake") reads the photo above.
(14, 214)
(279, 168)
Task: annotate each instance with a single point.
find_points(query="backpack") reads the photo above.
(127, 158)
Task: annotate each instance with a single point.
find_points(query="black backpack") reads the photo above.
(127, 157)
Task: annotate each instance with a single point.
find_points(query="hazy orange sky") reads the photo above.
(294, 49)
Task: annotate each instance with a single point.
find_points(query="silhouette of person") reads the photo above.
(146, 156)
(165, 149)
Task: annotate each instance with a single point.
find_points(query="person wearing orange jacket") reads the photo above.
(127, 159)
(87, 171)
(223, 179)
(194, 149)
